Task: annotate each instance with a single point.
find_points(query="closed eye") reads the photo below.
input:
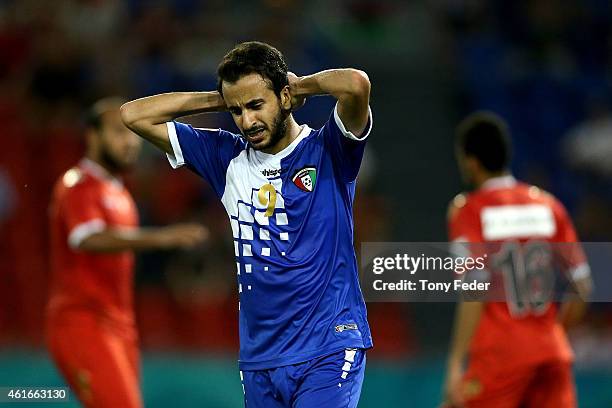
(255, 104)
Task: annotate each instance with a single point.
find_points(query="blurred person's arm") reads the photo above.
(462, 227)
(136, 239)
(578, 272)
(574, 307)
(148, 116)
(351, 87)
(467, 318)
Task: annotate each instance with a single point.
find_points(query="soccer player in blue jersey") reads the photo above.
(288, 191)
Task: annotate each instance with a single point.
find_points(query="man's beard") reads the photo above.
(277, 131)
(110, 163)
(279, 128)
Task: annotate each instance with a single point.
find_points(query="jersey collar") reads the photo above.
(494, 183)
(99, 172)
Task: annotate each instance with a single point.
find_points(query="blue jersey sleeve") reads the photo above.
(207, 152)
(345, 148)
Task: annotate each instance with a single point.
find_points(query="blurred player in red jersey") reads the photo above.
(518, 354)
(91, 332)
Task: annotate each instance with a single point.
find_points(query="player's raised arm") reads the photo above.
(351, 87)
(147, 116)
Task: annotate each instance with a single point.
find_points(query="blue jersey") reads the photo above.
(292, 223)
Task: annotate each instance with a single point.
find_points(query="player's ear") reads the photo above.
(473, 169)
(285, 98)
(471, 163)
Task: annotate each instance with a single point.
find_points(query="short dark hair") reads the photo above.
(485, 136)
(93, 117)
(253, 57)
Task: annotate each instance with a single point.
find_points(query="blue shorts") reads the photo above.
(330, 381)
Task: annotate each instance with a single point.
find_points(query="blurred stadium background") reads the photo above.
(546, 65)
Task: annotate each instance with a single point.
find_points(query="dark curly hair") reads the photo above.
(253, 57)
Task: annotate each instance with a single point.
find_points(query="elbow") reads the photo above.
(128, 115)
(360, 83)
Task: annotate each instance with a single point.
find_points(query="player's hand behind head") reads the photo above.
(186, 235)
(297, 101)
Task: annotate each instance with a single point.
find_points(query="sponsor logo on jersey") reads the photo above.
(349, 326)
(271, 173)
(517, 221)
(305, 178)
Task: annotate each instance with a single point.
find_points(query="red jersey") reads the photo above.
(87, 200)
(506, 210)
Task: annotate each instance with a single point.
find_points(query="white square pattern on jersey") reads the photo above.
(257, 226)
(254, 215)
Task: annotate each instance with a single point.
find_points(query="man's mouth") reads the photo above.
(256, 135)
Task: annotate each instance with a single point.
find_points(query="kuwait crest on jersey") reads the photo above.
(305, 178)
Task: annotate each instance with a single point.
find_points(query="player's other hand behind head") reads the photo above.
(185, 236)
(297, 101)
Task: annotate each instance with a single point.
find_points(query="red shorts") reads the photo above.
(548, 385)
(99, 360)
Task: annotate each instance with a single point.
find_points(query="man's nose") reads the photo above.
(248, 119)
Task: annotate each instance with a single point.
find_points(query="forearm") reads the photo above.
(350, 87)
(466, 320)
(571, 312)
(165, 107)
(118, 240)
(575, 306)
(147, 116)
(336, 82)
